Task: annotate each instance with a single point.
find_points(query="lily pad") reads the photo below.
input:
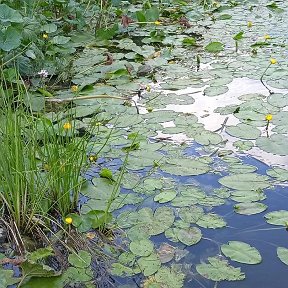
(243, 131)
(218, 270)
(279, 217)
(149, 265)
(143, 247)
(241, 252)
(189, 236)
(245, 181)
(165, 196)
(211, 220)
(276, 144)
(282, 254)
(250, 208)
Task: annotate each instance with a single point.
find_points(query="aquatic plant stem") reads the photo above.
(261, 80)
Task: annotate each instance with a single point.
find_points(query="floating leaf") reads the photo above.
(218, 270)
(282, 254)
(214, 47)
(250, 208)
(241, 252)
(166, 252)
(143, 247)
(169, 278)
(149, 265)
(81, 260)
(248, 195)
(185, 167)
(280, 174)
(165, 196)
(276, 144)
(189, 236)
(246, 181)
(211, 220)
(279, 217)
(243, 131)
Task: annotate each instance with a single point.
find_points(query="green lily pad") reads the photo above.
(149, 265)
(185, 167)
(218, 270)
(211, 220)
(243, 131)
(189, 236)
(143, 247)
(214, 47)
(215, 90)
(248, 195)
(282, 254)
(81, 260)
(279, 217)
(243, 145)
(250, 208)
(165, 196)
(276, 144)
(246, 181)
(280, 174)
(241, 252)
(169, 278)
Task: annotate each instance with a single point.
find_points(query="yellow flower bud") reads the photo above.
(273, 61)
(68, 220)
(92, 158)
(268, 117)
(45, 36)
(67, 126)
(74, 88)
(267, 37)
(249, 24)
(157, 22)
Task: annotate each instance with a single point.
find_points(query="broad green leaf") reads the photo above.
(218, 270)
(241, 252)
(169, 278)
(149, 265)
(246, 181)
(276, 144)
(8, 15)
(214, 47)
(189, 236)
(279, 217)
(80, 260)
(211, 220)
(243, 131)
(185, 167)
(280, 174)
(250, 208)
(10, 39)
(165, 196)
(282, 254)
(248, 195)
(143, 247)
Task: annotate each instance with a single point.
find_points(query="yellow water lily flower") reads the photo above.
(74, 88)
(273, 61)
(249, 24)
(267, 37)
(157, 22)
(67, 126)
(268, 117)
(68, 220)
(45, 36)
